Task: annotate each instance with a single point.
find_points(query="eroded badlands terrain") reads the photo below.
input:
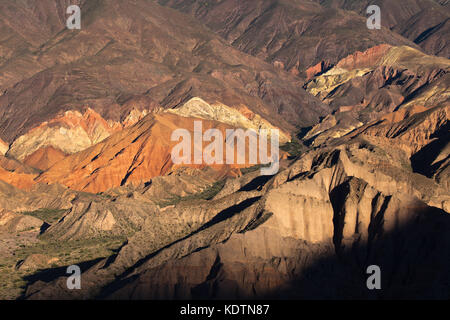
(87, 178)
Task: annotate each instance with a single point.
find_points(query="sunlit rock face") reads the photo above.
(240, 117)
(69, 133)
(3, 147)
(384, 88)
(139, 153)
(44, 158)
(389, 61)
(16, 173)
(115, 68)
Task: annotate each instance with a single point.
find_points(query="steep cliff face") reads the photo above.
(318, 69)
(263, 236)
(417, 131)
(420, 133)
(278, 265)
(366, 59)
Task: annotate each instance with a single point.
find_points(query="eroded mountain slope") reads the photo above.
(265, 239)
(292, 35)
(423, 21)
(123, 54)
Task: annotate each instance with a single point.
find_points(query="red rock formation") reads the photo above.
(44, 158)
(19, 180)
(317, 69)
(13, 165)
(134, 155)
(16, 173)
(359, 60)
(416, 130)
(402, 114)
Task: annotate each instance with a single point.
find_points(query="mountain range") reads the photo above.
(87, 177)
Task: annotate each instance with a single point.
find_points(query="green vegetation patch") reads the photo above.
(294, 148)
(206, 194)
(12, 281)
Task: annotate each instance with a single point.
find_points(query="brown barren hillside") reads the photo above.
(291, 34)
(138, 51)
(426, 22)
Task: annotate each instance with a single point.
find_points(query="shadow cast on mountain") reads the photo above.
(423, 161)
(414, 260)
(50, 274)
(413, 256)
